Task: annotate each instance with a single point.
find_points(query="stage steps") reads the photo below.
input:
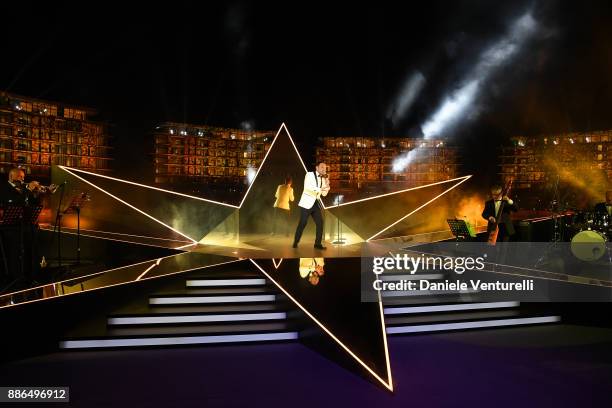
(232, 309)
(438, 311)
(245, 309)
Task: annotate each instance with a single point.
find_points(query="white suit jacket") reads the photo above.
(312, 191)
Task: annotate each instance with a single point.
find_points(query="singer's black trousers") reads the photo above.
(315, 212)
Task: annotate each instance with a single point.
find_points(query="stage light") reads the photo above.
(460, 103)
(247, 125)
(250, 173)
(401, 162)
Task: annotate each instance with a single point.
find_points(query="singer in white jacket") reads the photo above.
(316, 184)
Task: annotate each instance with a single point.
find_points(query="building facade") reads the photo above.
(581, 158)
(363, 162)
(198, 154)
(36, 134)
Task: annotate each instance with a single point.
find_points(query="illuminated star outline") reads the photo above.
(156, 262)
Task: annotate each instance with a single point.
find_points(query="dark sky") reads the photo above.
(324, 69)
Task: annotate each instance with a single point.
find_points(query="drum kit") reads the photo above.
(590, 231)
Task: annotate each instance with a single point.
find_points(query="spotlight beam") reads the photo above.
(454, 106)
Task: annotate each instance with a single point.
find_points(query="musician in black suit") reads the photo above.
(19, 255)
(605, 208)
(491, 210)
(16, 192)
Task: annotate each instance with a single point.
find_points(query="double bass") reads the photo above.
(492, 239)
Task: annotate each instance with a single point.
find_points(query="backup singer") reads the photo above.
(284, 195)
(316, 184)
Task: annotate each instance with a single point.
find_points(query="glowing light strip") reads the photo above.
(295, 147)
(119, 240)
(181, 300)
(275, 264)
(388, 386)
(400, 191)
(198, 283)
(183, 340)
(127, 235)
(146, 186)
(185, 246)
(384, 332)
(240, 317)
(449, 308)
(148, 269)
(449, 235)
(111, 285)
(418, 208)
(130, 205)
(79, 278)
(425, 328)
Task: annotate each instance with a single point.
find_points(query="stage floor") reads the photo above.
(558, 365)
(266, 246)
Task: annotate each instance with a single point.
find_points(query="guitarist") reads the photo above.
(491, 214)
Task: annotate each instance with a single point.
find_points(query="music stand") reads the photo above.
(339, 240)
(460, 229)
(12, 215)
(78, 201)
(31, 214)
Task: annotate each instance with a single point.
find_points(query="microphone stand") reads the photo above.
(339, 240)
(58, 225)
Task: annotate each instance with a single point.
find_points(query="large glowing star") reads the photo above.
(136, 211)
